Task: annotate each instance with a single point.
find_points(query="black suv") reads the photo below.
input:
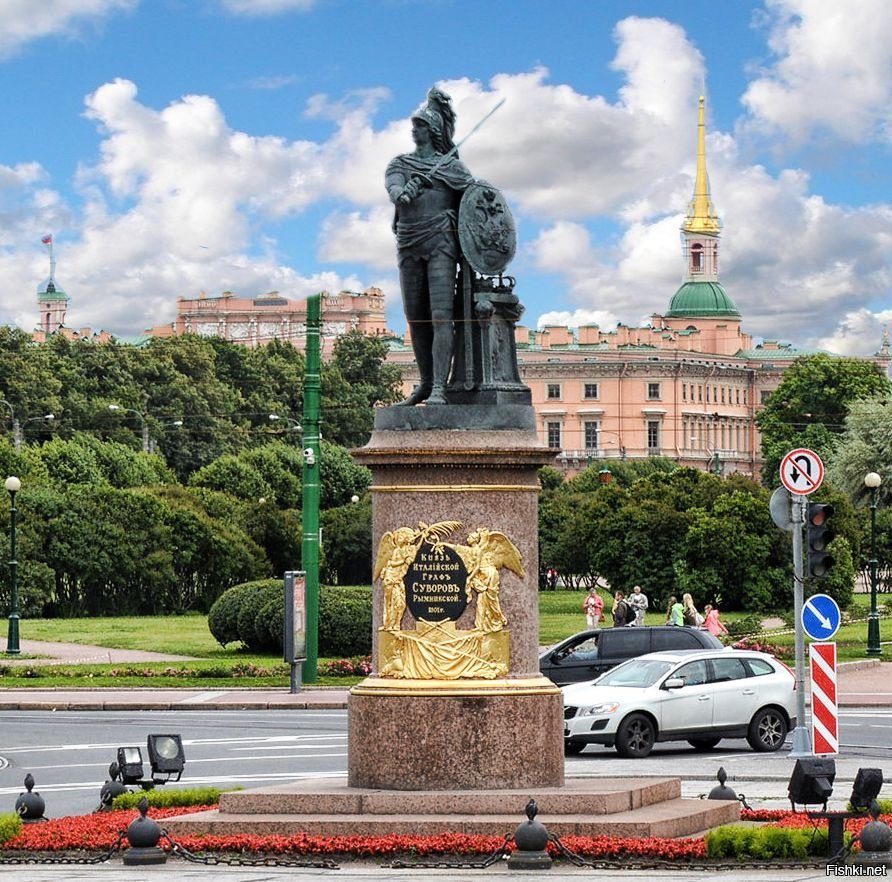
(589, 654)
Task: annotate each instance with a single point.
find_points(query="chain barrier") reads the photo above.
(67, 859)
(243, 861)
(501, 853)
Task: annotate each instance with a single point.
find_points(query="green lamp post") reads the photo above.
(13, 485)
(872, 481)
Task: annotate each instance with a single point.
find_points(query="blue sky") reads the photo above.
(179, 146)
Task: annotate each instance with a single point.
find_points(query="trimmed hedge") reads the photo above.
(253, 613)
(10, 826)
(345, 621)
(161, 798)
(223, 615)
(735, 841)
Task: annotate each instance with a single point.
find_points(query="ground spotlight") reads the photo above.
(812, 781)
(166, 757)
(867, 786)
(130, 765)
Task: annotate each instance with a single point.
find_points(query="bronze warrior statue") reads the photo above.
(425, 187)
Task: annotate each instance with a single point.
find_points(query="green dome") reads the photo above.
(49, 291)
(703, 299)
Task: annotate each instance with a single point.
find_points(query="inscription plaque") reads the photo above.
(436, 584)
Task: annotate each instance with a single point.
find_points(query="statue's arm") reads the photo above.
(398, 182)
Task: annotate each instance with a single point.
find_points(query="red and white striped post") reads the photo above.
(824, 710)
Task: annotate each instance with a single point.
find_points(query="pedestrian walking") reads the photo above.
(593, 606)
(674, 612)
(712, 623)
(639, 603)
(690, 616)
(622, 612)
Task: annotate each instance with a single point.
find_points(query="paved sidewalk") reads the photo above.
(49, 653)
(177, 871)
(866, 683)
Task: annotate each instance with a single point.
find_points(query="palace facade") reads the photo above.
(253, 321)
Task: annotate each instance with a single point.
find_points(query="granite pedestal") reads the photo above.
(438, 734)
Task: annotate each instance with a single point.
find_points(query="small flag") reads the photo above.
(47, 240)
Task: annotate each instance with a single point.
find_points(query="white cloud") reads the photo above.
(832, 69)
(603, 318)
(858, 333)
(266, 7)
(359, 237)
(27, 20)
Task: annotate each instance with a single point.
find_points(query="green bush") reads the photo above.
(751, 624)
(735, 841)
(269, 624)
(10, 826)
(345, 620)
(162, 798)
(252, 603)
(223, 615)
(254, 613)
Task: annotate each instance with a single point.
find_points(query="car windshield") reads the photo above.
(637, 672)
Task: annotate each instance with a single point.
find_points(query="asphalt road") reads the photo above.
(68, 753)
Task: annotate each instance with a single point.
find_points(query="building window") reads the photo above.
(553, 390)
(764, 395)
(590, 430)
(699, 393)
(653, 391)
(653, 436)
(554, 435)
(697, 259)
(590, 390)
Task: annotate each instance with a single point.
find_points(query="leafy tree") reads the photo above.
(231, 474)
(347, 538)
(810, 406)
(550, 478)
(353, 382)
(340, 476)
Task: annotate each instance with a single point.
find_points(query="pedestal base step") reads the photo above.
(588, 807)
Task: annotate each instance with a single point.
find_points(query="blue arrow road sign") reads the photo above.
(820, 617)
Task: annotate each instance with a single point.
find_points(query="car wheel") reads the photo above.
(571, 748)
(767, 730)
(635, 736)
(703, 743)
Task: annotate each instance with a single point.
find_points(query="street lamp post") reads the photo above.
(13, 485)
(872, 481)
(16, 428)
(293, 425)
(146, 444)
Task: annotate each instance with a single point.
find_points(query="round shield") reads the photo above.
(486, 229)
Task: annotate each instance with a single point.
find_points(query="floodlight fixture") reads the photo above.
(812, 781)
(130, 765)
(166, 756)
(867, 786)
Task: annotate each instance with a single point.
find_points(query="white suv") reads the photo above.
(698, 696)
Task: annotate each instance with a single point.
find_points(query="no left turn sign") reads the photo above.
(801, 471)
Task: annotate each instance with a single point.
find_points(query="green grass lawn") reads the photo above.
(560, 615)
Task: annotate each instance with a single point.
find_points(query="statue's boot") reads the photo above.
(420, 393)
(437, 395)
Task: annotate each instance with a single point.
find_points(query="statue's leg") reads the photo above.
(416, 305)
(441, 283)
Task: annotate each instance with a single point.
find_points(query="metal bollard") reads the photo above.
(530, 840)
(30, 806)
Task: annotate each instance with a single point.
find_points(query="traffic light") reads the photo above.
(820, 535)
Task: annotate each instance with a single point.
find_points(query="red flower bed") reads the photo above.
(100, 831)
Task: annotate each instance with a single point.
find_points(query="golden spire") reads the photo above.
(701, 216)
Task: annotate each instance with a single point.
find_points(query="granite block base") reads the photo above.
(422, 736)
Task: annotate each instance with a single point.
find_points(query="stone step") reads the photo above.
(587, 807)
(677, 817)
(592, 796)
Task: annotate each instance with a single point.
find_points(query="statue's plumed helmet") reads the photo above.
(437, 112)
